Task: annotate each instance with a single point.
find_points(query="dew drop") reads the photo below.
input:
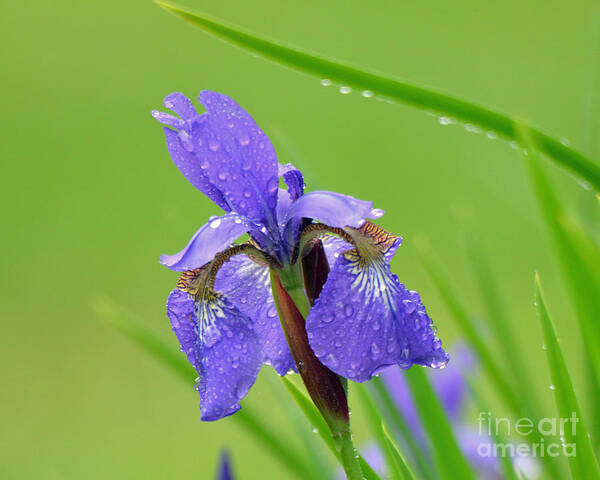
(348, 310)
(327, 318)
(215, 223)
(331, 361)
(512, 144)
(377, 213)
(326, 82)
(213, 145)
(551, 386)
(491, 135)
(375, 350)
(445, 121)
(344, 90)
(543, 346)
(222, 175)
(244, 140)
(367, 93)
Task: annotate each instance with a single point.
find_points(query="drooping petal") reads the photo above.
(333, 209)
(211, 238)
(334, 247)
(237, 157)
(365, 319)
(248, 286)
(220, 343)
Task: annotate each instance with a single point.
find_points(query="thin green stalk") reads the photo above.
(400, 466)
(398, 421)
(582, 460)
(378, 84)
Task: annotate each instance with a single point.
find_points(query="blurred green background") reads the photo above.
(90, 197)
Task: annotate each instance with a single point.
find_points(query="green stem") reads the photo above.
(348, 456)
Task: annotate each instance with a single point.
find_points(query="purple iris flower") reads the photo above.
(223, 311)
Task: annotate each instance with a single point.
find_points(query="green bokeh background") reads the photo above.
(90, 197)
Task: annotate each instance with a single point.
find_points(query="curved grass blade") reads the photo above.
(399, 465)
(581, 282)
(584, 464)
(136, 330)
(458, 311)
(489, 364)
(398, 421)
(499, 322)
(375, 422)
(447, 454)
(316, 455)
(379, 84)
(316, 420)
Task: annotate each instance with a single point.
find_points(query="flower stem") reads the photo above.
(349, 456)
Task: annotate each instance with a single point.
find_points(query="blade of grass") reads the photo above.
(399, 423)
(580, 280)
(375, 422)
(447, 453)
(299, 423)
(137, 331)
(490, 367)
(508, 467)
(316, 420)
(584, 464)
(466, 324)
(400, 465)
(500, 324)
(404, 92)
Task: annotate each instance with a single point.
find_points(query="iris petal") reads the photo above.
(247, 285)
(238, 157)
(365, 319)
(189, 166)
(211, 238)
(221, 344)
(293, 179)
(333, 209)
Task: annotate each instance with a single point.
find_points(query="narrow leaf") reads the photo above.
(398, 421)
(316, 420)
(447, 453)
(583, 463)
(400, 465)
(374, 421)
(401, 91)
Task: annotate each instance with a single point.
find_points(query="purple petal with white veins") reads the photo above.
(212, 238)
(248, 286)
(221, 344)
(365, 319)
(333, 209)
(237, 157)
(188, 164)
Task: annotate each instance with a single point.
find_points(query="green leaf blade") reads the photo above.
(447, 453)
(584, 464)
(400, 91)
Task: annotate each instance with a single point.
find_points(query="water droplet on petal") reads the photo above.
(348, 310)
(222, 175)
(327, 318)
(331, 361)
(213, 145)
(215, 223)
(244, 140)
(375, 350)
